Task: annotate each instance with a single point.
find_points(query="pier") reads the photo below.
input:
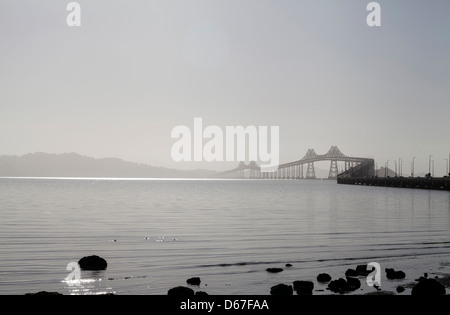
(437, 183)
(357, 171)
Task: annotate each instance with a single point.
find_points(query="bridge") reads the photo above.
(295, 170)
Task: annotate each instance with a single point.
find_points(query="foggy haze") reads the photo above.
(117, 85)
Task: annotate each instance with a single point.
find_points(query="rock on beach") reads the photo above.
(274, 270)
(324, 277)
(281, 289)
(181, 292)
(93, 263)
(394, 274)
(303, 287)
(193, 281)
(44, 293)
(428, 287)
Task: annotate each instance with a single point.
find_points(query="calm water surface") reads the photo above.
(157, 233)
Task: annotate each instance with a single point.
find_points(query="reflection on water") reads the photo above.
(91, 283)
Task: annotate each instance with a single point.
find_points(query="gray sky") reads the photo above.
(119, 84)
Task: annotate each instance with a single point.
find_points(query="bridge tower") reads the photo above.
(310, 172)
(333, 170)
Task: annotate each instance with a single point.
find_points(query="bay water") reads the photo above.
(156, 233)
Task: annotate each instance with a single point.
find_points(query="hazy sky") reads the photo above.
(119, 84)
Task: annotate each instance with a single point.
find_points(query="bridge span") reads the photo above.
(295, 169)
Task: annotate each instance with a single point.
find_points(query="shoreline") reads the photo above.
(203, 285)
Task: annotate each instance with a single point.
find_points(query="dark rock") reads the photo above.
(362, 270)
(324, 277)
(92, 263)
(181, 292)
(201, 293)
(303, 287)
(274, 270)
(400, 289)
(281, 289)
(353, 283)
(338, 286)
(303, 284)
(44, 293)
(420, 279)
(343, 286)
(444, 280)
(351, 273)
(394, 274)
(425, 276)
(428, 287)
(193, 281)
(288, 265)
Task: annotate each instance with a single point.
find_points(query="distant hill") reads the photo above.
(75, 165)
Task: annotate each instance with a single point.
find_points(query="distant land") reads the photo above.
(75, 165)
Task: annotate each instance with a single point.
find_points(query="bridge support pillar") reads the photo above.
(333, 170)
(310, 172)
(300, 174)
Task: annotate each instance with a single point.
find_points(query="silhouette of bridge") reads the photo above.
(295, 170)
